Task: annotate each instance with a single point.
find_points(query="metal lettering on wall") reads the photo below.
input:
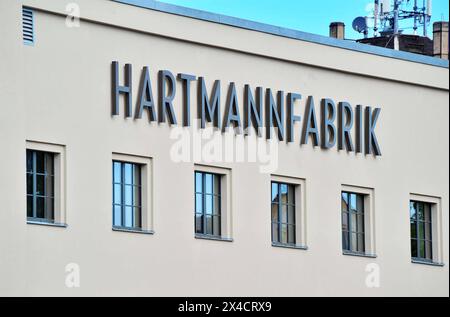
(334, 128)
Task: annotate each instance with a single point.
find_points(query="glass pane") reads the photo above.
(345, 241)
(40, 207)
(274, 192)
(413, 230)
(40, 162)
(291, 215)
(275, 232)
(137, 217)
(209, 225)
(428, 250)
(353, 222)
(117, 172)
(40, 185)
(421, 230)
(291, 194)
(360, 225)
(291, 234)
(428, 235)
(117, 194)
(29, 206)
(198, 182)
(421, 249)
(427, 212)
(345, 221)
(137, 196)
(136, 175)
(49, 206)
(209, 183)
(216, 205)
(360, 242)
(128, 173)
(49, 186)
(209, 204)
(284, 213)
(353, 241)
(414, 248)
(216, 226)
(117, 221)
(353, 202)
(128, 195)
(412, 210)
(360, 203)
(128, 217)
(217, 184)
(274, 212)
(49, 163)
(30, 184)
(420, 211)
(284, 238)
(198, 203)
(283, 193)
(198, 223)
(345, 201)
(29, 161)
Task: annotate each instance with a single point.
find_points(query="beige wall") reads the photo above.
(58, 91)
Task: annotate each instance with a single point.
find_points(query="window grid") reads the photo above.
(421, 231)
(283, 213)
(127, 195)
(208, 204)
(353, 222)
(40, 186)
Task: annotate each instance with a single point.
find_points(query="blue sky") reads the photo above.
(309, 16)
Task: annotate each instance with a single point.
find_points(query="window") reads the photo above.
(207, 204)
(127, 201)
(212, 203)
(40, 186)
(283, 213)
(353, 222)
(45, 184)
(132, 192)
(421, 230)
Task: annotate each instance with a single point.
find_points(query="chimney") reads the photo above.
(440, 39)
(337, 30)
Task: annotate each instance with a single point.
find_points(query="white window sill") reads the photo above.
(363, 255)
(129, 230)
(419, 261)
(289, 246)
(46, 223)
(213, 238)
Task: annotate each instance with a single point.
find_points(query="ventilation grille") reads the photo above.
(27, 26)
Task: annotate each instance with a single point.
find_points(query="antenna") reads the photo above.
(388, 17)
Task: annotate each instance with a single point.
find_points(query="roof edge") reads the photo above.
(285, 32)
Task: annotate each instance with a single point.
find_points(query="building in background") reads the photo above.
(388, 28)
(100, 196)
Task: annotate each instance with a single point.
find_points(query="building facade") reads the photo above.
(107, 189)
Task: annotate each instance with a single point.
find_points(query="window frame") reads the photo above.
(437, 251)
(204, 195)
(299, 186)
(59, 182)
(225, 202)
(359, 231)
(368, 195)
(146, 192)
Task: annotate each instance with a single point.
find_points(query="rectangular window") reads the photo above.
(421, 230)
(283, 213)
(208, 204)
(127, 195)
(40, 173)
(353, 222)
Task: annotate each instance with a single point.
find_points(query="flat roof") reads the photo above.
(285, 32)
